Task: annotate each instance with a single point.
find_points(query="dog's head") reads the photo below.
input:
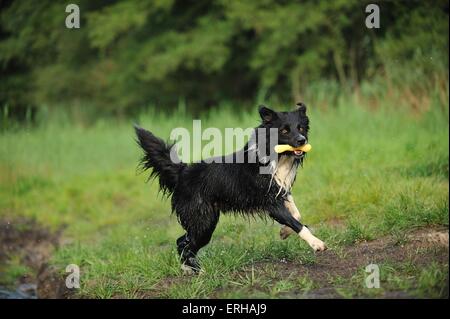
(292, 126)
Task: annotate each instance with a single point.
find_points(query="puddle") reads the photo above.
(24, 291)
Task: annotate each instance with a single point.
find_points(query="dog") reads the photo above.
(201, 191)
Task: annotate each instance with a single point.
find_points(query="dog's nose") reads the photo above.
(301, 140)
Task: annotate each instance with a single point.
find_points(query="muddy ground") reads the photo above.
(419, 248)
(34, 245)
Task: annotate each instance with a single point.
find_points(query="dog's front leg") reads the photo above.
(284, 217)
(285, 231)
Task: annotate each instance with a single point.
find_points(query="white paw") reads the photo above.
(312, 240)
(317, 244)
(189, 271)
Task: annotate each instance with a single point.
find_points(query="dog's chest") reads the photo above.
(285, 172)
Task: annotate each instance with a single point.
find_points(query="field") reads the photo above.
(375, 188)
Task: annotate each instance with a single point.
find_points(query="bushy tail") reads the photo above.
(157, 157)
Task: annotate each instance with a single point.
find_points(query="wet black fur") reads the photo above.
(201, 191)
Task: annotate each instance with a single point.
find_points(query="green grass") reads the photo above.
(413, 282)
(12, 270)
(374, 173)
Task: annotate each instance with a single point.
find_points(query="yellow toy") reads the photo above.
(281, 148)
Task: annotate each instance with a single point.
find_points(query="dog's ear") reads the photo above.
(267, 115)
(301, 108)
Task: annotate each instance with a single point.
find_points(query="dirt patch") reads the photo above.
(431, 237)
(51, 285)
(419, 247)
(25, 237)
(33, 244)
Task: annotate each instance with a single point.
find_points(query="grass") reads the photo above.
(12, 270)
(408, 279)
(370, 174)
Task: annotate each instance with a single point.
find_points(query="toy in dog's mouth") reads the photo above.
(297, 151)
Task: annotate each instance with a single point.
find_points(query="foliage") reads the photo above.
(131, 54)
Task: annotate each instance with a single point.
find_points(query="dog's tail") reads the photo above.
(157, 155)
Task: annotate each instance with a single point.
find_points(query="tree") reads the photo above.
(130, 54)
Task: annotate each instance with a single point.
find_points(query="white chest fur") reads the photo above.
(285, 172)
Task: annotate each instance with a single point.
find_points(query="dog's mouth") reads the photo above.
(295, 153)
(298, 152)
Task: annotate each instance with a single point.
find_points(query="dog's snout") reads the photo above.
(301, 140)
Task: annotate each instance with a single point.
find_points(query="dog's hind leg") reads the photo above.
(189, 263)
(285, 231)
(284, 217)
(198, 235)
(181, 243)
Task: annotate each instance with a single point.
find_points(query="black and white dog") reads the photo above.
(201, 191)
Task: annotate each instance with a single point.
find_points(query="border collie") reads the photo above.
(201, 191)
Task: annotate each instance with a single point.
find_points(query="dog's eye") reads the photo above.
(284, 131)
(300, 129)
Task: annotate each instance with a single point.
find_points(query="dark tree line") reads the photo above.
(130, 54)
